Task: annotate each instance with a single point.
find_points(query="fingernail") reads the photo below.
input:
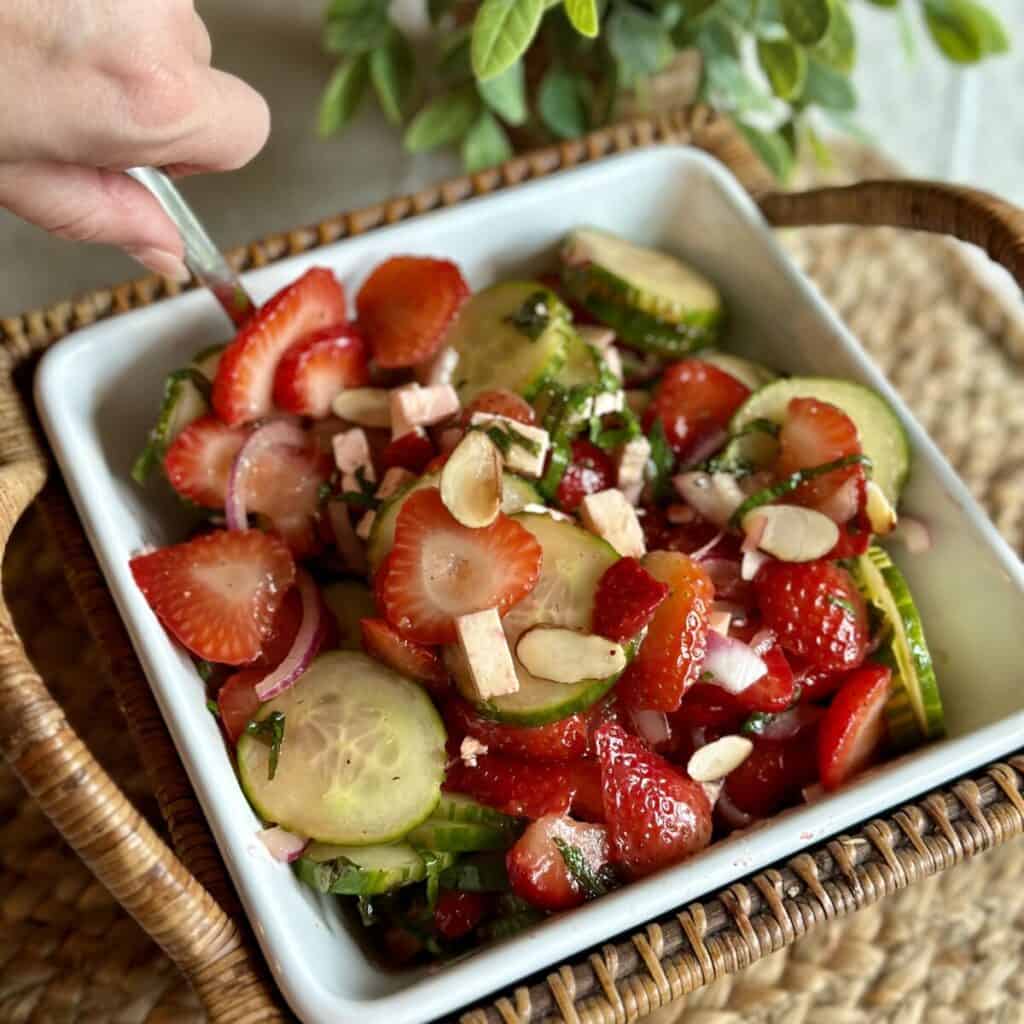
(164, 263)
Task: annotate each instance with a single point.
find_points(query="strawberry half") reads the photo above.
(405, 307)
(218, 594)
(588, 795)
(313, 371)
(439, 569)
(656, 815)
(382, 641)
(774, 774)
(412, 451)
(626, 599)
(853, 729)
(237, 701)
(198, 461)
(564, 740)
(669, 659)
(244, 386)
(458, 912)
(524, 789)
(774, 691)
(591, 470)
(537, 868)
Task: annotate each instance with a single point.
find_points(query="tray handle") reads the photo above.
(966, 213)
(85, 804)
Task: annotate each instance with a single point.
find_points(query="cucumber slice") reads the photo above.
(882, 437)
(457, 807)
(914, 710)
(516, 494)
(512, 335)
(573, 562)
(362, 870)
(185, 399)
(652, 300)
(349, 601)
(207, 360)
(750, 374)
(362, 759)
(459, 836)
(583, 363)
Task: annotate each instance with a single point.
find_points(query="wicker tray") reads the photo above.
(186, 902)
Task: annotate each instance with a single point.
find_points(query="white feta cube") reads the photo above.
(527, 460)
(421, 407)
(352, 454)
(394, 480)
(483, 642)
(470, 749)
(608, 402)
(613, 363)
(632, 465)
(366, 525)
(611, 517)
(369, 407)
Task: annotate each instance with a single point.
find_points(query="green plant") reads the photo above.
(517, 71)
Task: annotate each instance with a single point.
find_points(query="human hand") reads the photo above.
(91, 87)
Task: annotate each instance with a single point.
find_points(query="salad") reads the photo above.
(506, 598)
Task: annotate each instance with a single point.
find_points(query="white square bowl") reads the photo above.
(97, 394)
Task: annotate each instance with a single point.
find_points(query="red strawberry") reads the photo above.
(218, 594)
(439, 569)
(412, 451)
(564, 740)
(817, 685)
(669, 659)
(853, 729)
(198, 461)
(237, 701)
(626, 599)
(524, 789)
(813, 434)
(816, 611)
(500, 402)
(774, 774)
(774, 691)
(405, 307)
(656, 815)
(588, 798)
(318, 366)
(694, 400)
(537, 868)
(591, 470)
(457, 913)
(282, 633)
(244, 385)
(382, 641)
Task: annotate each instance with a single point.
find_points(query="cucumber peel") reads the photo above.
(364, 870)
(459, 836)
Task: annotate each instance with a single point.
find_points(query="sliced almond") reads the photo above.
(714, 495)
(471, 481)
(792, 533)
(368, 407)
(712, 790)
(565, 656)
(715, 760)
(489, 661)
(881, 514)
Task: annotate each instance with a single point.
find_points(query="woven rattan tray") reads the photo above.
(185, 901)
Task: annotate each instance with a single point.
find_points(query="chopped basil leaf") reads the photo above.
(592, 883)
(212, 707)
(271, 731)
(756, 724)
(205, 669)
(664, 459)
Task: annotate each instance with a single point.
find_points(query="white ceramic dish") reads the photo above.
(98, 391)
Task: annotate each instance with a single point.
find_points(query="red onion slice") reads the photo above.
(843, 503)
(707, 447)
(705, 549)
(349, 546)
(731, 814)
(283, 845)
(733, 664)
(763, 641)
(277, 432)
(304, 647)
(786, 724)
(913, 534)
(651, 726)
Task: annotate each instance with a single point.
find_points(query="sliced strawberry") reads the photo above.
(500, 402)
(853, 730)
(412, 451)
(626, 599)
(817, 685)
(218, 594)
(244, 386)
(457, 913)
(382, 641)
(439, 569)
(198, 461)
(588, 798)
(774, 691)
(656, 815)
(774, 774)
(816, 611)
(564, 740)
(694, 401)
(669, 659)
(524, 789)
(314, 369)
(537, 868)
(237, 701)
(405, 307)
(591, 470)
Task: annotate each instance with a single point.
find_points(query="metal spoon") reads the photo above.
(202, 257)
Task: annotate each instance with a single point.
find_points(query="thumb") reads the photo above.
(87, 204)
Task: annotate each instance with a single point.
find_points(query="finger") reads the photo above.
(202, 46)
(83, 204)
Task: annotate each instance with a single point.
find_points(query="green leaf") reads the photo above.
(583, 15)
(695, 8)
(885, 3)
(561, 105)
(807, 20)
(822, 154)
(839, 47)
(772, 148)
(639, 42)
(442, 121)
(717, 39)
(356, 26)
(271, 731)
(393, 71)
(963, 30)
(827, 88)
(663, 459)
(342, 96)
(454, 64)
(593, 883)
(485, 145)
(502, 31)
(728, 87)
(785, 65)
(505, 94)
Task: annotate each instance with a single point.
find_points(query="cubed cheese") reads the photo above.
(632, 465)
(611, 517)
(352, 454)
(366, 525)
(394, 480)
(525, 459)
(483, 642)
(608, 402)
(470, 749)
(421, 407)
(369, 407)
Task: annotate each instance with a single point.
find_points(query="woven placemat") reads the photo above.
(949, 949)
